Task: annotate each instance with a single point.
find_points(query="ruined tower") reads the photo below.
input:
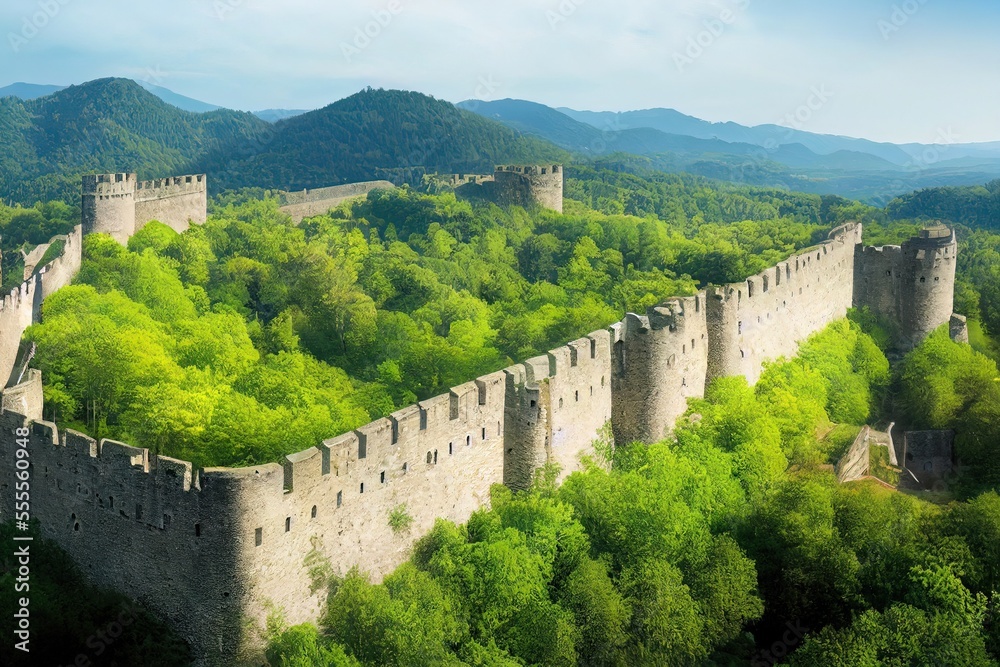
(927, 282)
(523, 185)
(912, 286)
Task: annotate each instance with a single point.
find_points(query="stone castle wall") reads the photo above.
(119, 205)
(515, 185)
(23, 306)
(308, 203)
(238, 541)
(176, 202)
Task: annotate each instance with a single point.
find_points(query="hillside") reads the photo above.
(116, 125)
(976, 207)
(107, 125)
(382, 133)
(766, 155)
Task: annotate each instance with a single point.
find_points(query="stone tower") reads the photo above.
(109, 205)
(659, 362)
(927, 283)
(521, 185)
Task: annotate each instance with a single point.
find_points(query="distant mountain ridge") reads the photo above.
(768, 155)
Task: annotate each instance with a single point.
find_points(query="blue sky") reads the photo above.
(890, 70)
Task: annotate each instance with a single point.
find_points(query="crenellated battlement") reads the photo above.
(171, 187)
(120, 205)
(237, 539)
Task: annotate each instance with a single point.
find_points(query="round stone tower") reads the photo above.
(927, 283)
(523, 185)
(109, 205)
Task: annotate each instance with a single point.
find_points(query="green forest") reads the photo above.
(731, 543)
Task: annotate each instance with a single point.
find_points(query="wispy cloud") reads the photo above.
(756, 59)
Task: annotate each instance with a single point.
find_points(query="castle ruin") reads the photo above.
(212, 551)
(514, 185)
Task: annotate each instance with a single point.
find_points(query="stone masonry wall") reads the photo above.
(176, 202)
(308, 203)
(237, 541)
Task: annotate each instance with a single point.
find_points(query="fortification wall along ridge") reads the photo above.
(240, 541)
(22, 307)
(308, 203)
(515, 185)
(176, 202)
(119, 205)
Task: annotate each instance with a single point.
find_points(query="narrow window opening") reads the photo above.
(499, 429)
(381, 477)
(197, 530)
(406, 466)
(483, 434)
(468, 441)
(451, 448)
(533, 404)
(362, 487)
(288, 524)
(314, 512)
(76, 527)
(138, 512)
(435, 457)
(560, 402)
(340, 498)
(111, 502)
(258, 536)
(428, 458)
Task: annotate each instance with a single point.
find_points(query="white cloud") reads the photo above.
(940, 68)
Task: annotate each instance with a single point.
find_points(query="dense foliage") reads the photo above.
(21, 229)
(71, 618)
(976, 206)
(698, 550)
(249, 338)
(111, 125)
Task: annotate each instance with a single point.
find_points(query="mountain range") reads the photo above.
(117, 125)
(31, 91)
(55, 133)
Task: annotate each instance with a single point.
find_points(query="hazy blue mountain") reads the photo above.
(675, 122)
(179, 101)
(274, 115)
(28, 91)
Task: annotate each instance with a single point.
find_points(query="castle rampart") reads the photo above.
(308, 203)
(208, 549)
(515, 185)
(119, 205)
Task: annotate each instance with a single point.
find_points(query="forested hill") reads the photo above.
(108, 125)
(387, 133)
(115, 125)
(977, 207)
